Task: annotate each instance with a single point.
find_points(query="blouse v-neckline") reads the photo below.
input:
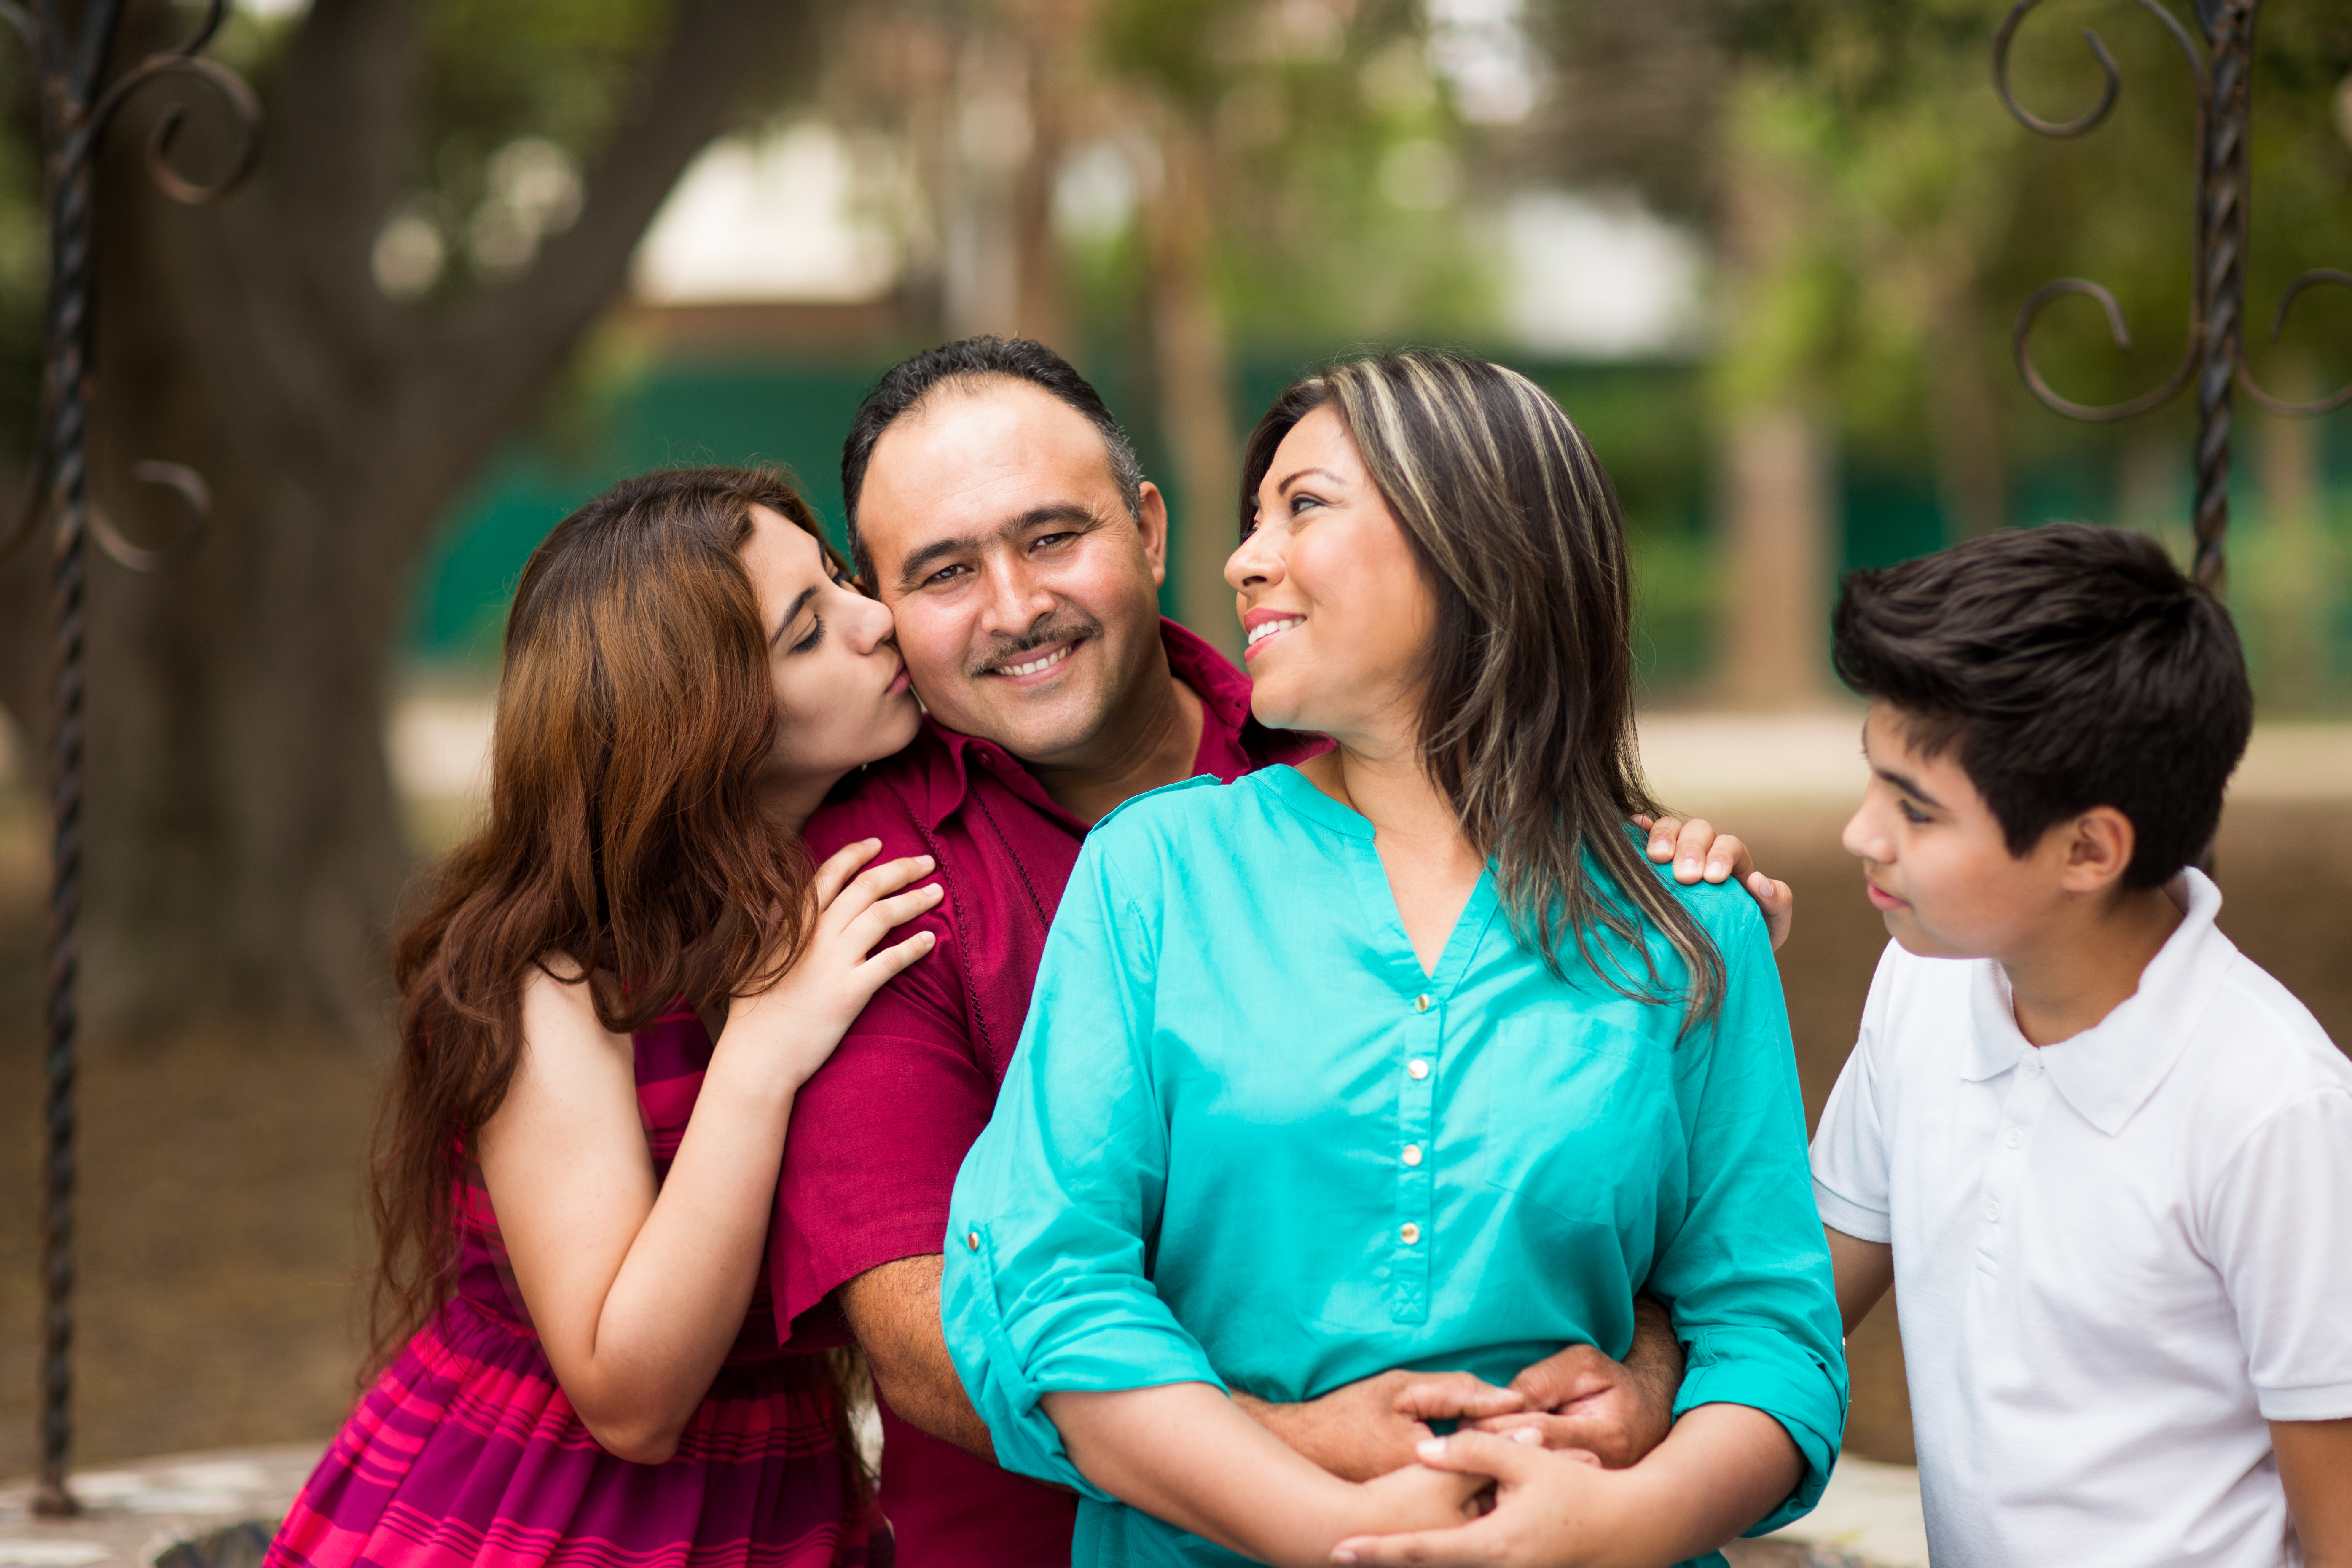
(1383, 920)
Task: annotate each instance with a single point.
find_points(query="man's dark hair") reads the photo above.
(907, 383)
(2069, 667)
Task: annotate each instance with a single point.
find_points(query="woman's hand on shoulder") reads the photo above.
(803, 1012)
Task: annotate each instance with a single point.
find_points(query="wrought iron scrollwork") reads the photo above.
(2214, 356)
(244, 113)
(196, 500)
(77, 107)
(2333, 401)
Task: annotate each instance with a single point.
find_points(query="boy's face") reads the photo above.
(1935, 858)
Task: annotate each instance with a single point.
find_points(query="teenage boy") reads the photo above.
(2106, 1159)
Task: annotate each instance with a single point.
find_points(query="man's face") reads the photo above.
(1936, 862)
(1026, 597)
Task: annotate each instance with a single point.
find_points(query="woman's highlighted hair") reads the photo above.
(1527, 722)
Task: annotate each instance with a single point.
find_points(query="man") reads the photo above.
(997, 508)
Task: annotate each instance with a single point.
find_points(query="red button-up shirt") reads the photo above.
(878, 1133)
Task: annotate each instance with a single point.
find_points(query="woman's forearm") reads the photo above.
(1723, 1468)
(1186, 1454)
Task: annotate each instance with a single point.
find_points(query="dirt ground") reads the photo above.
(220, 1237)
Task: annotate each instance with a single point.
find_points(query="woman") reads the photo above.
(1405, 1057)
(618, 985)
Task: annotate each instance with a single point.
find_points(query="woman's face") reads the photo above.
(842, 694)
(1334, 607)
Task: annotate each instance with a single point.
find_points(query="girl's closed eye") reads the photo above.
(815, 635)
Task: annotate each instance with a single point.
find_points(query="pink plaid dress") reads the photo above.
(466, 1452)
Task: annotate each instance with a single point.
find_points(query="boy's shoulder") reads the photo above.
(2257, 1047)
(1916, 1000)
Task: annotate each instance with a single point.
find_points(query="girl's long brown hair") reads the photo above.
(623, 834)
(1527, 720)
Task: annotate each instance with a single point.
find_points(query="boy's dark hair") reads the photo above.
(2069, 667)
(908, 383)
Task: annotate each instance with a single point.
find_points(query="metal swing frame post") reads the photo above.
(2221, 69)
(70, 45)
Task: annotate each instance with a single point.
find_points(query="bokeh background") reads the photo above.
(500, 252)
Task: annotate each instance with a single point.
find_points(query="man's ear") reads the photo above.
(2100, 846)
(1152, 525)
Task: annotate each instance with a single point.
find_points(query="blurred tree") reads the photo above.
(1878, 217)
(447, 196)
(1258, 144)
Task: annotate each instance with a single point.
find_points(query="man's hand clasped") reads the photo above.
(1580, 1401)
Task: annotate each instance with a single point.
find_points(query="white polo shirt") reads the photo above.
(2117, 1258)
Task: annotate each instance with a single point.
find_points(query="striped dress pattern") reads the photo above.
(466, 1452)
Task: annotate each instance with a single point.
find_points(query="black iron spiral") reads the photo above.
(2214, 358)
(70, 500)
(2221, 277)
(70, 58)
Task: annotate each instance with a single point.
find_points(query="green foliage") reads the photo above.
(1340, 162)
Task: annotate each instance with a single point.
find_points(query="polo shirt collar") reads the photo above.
(2109, 1070)
(1224, 694)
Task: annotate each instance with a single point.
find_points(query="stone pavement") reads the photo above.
(215, 1510)
(218, 1510)
(1869, 1517)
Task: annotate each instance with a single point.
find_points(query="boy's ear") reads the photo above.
(2100, 845)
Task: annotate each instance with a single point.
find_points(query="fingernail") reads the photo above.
(1526, 1436)
(1431, 1447)
(1342, 1554)
(1760, 882)
(927, 861)
(1689, 867)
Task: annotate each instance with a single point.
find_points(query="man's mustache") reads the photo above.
(1045, 635)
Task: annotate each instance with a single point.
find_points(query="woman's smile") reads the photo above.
(1264, 625)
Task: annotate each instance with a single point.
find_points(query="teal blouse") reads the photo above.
(1248, 1140)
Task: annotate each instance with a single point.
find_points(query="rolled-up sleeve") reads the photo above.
(1747, 1273)
(1045, 1287)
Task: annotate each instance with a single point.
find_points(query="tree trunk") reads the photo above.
(1776, 509)
(1964, 415)
(242, 855)
(1776, 612)
(2293, 584)
(1196, 406)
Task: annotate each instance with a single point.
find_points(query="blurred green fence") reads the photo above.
(2291, 580)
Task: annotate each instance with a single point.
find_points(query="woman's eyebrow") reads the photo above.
(791, 616)
(1284, 487)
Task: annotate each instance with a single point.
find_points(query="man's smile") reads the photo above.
(1033, 664)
